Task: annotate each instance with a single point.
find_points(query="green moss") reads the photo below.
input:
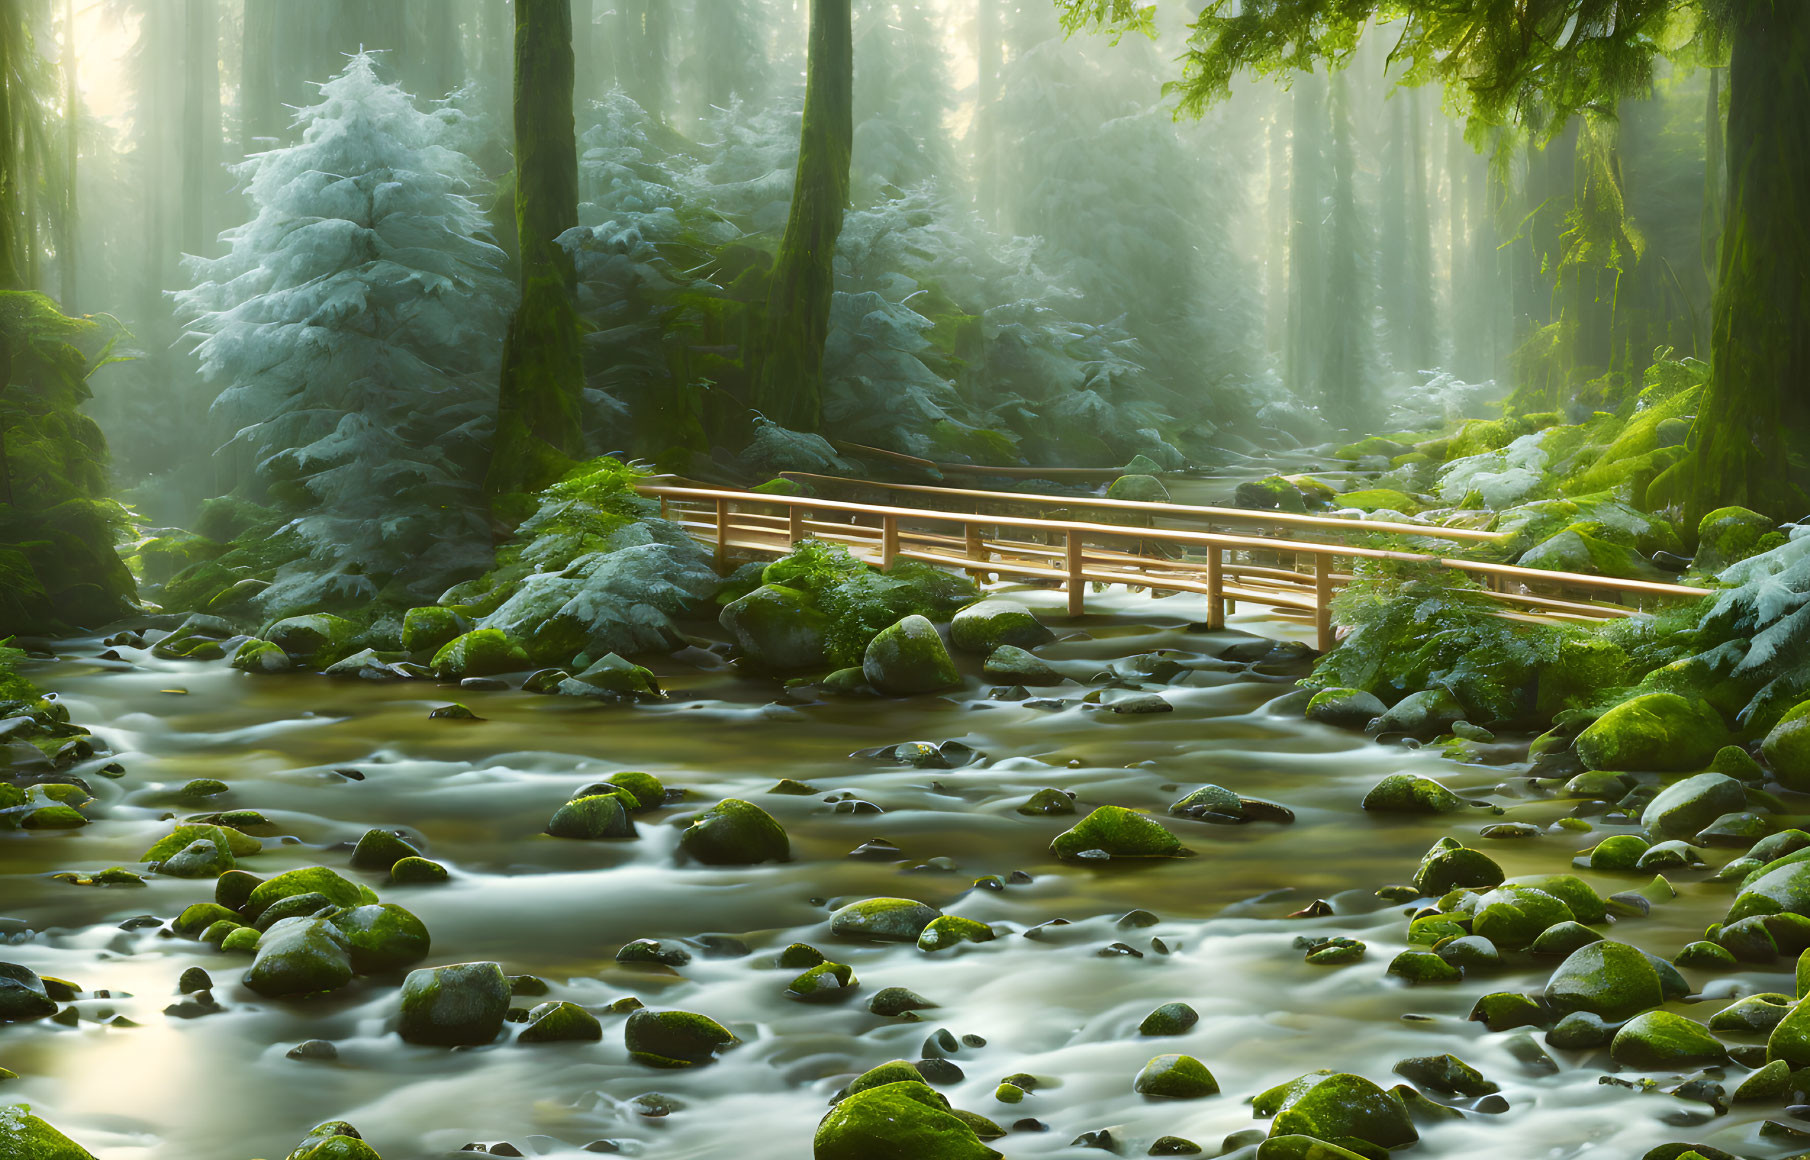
(1175, 1077)
(1659, 731)
(240, 845)
(735, 833)
(860, 601)
(307, 880)
(482, 652)
(1331, 1106)
(1118, 833)
(1378, 499)
(670, 1039)
(903, 1120)
(24, 1136)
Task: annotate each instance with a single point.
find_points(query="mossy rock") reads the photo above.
(613, 678)
(1780, 887)
(1426, 713)
(1117, 833)
(1563, 938)
(1138, 489)
(318, 636)
(1345, 708)
(778, 628)
(1727, 536)
(1418, 967)
(198, 917)
(735, 833)
(1787, 748)
(883, 919)
(300, 956)
(1169, 1019)
(592, 817)
(1046, 803)
(826, 982)
(1790, 1039)
(1507, 1010)
(1329, 1106)
(560, 1023)
(1660, 1039)
(1376, 499)
(334, 1140)
(1753, 1015)
(1610, 979)
(908, 659)
(1309, 1148)
(24, 1136)
(905, 1120)
(202, 858)
(307, 880)
(240, 845)
(1272, 493)
(1686, 807)
(1406, 793)
(1575, 550)
(1446, 1074)
(675, 1039)
(1175, 1077)
(482, 652)
(1010, 664)
(261, 656)
(892, 1071)
(648, 791)
(1618, 852)
(983, 627)
(380, 850)
(1448, 865)
(1658, 732)
(430, 629)
(1372, 446)
(23, 994)
(382, 937)
(949, 930)
(458, 1005)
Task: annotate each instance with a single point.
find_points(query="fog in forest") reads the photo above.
(1041, 263)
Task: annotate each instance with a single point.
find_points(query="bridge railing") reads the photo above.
(1224, 567)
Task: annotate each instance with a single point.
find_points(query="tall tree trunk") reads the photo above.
(66, 239)
(1420, 242)
(539, 421)
(788, 383)
(1715, 173)
(1344, 381)
(1306, 287)
(986, 109)
(12, 42)
(1276, 286)
(1757, 406)
(200, 122)
(260, 111)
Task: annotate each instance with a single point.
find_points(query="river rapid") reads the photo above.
(1057, 1002)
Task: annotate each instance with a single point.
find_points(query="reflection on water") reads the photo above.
(478, 795)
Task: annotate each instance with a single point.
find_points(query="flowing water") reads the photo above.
(478, 795)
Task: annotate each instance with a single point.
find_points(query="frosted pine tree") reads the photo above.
(354, 327)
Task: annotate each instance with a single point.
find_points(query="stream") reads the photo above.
(1058, 1002)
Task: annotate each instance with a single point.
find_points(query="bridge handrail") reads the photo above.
(723, 496)
(1172, 510)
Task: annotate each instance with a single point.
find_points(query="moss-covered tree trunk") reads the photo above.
(538, 415)
(12, 42)
(1757, 407)
(788, 380)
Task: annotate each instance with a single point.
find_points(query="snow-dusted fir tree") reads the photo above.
(354, 329)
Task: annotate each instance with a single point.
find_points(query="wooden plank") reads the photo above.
(1077, 587)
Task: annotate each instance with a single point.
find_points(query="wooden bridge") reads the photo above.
(1287, 562)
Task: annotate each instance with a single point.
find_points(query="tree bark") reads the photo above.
(788, 384)
(1306, 287)
(538, 406)
(11, 42)
(1757, 406)
(200, 122)
(66, 240)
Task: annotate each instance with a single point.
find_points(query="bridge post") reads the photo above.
(794, 524)
(722, 532)
(889, 541)
(977, 550)
(1216, 601)
(1323, 602)
(1077, 584)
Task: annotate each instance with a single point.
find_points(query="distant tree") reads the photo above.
(1535, 66)
(538, 422)
(352, 325)
(788, 382)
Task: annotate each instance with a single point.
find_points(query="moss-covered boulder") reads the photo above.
(1790, 1038)
(1012, 665)
(1618, 852)
(24, 1136)
(905, 1120)
(909, 658)
(261, 656)
(1727, 536)
(1169, 1019)
(1446, 1074)
(380, 850)
(1658, 732)
(430, 629)
(1661, 1039)
(1377, 499)
(1407, 793)
(318, 636)
(883, 919)
(592, 816)
(382, 937)
(335, 1140)
(1271, 493)
(418, 872)
(735, 833)
(949, 930)
(300, 956)
(482, 652)
(1426, 713)
(1138, 489)
(1116, 832)
(778, 628)
(1345, 708)
(1175, 1077)
(1685, 807)
(458, 1005)
(613, 678)
(202, 858)
(1047, 803)
(1609, 979)
(307, 880)
(560, 1023)
(23, 995)
(240, 845)
(1449, 865)
(675, 1039)
(1787, 748)
(1576, 549)
(826, 982)
(1334, 1105)
(983, 627)
(1781, 887)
